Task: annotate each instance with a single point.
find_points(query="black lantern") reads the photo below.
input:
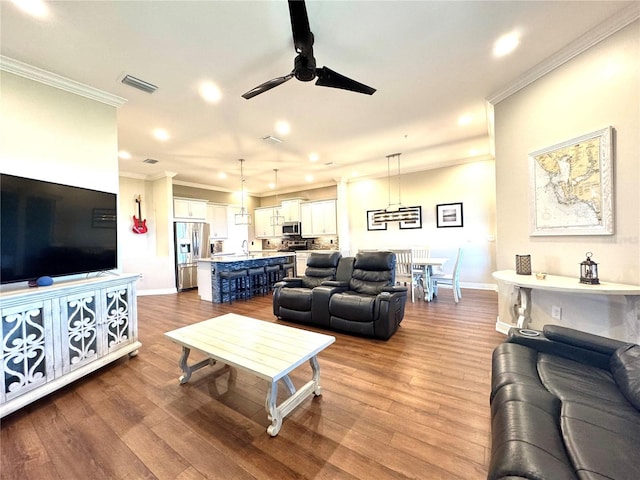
(589, 271)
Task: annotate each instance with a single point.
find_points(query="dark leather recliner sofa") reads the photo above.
(361, 300)
(565, 405)
(293, 297)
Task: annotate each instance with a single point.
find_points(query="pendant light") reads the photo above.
(276, 219)
(242, 218)
(400, 214)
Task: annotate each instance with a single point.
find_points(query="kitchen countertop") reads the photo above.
(318, 250)
(243, 256)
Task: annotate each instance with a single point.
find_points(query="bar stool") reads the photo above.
(274, 275)
(257, 281)
(288, 267)
(237, 284)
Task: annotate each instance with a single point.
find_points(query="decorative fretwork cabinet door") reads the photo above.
(27, 348)
(119, 317)
(79, 327)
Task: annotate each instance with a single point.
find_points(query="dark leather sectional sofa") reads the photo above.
(565, 405)
(350, 294)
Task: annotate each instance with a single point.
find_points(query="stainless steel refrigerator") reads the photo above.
(191, 244)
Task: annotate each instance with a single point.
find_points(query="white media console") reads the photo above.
(52, 336)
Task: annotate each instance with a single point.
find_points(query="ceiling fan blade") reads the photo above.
(302, 36)
(329, 78)
(267, 86)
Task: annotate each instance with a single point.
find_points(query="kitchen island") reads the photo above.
(209, 269)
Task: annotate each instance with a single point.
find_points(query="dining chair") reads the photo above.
(452, 279)
(404, 269)
(418, 271)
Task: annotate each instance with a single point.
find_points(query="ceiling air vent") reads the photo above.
(272, 139)
(139, 84)
(150, 161)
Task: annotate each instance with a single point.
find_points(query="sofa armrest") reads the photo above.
(293, 282)
(394, 289)
(320, 301)
(389, 311)
(567, 343)
(277, 289)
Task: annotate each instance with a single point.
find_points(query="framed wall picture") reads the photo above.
(571, 187)
(409, 224)
(374, 226)
(449, 215)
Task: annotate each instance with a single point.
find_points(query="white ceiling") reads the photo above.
(431, 62)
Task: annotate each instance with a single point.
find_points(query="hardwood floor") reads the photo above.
(415, 406)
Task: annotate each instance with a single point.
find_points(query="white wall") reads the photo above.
(598, 88)
(472, 184)
(50, 134)
(149, 254)
(152, 254)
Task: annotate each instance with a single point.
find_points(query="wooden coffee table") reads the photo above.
(267, 350)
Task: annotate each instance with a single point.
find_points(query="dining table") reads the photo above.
(425, 265)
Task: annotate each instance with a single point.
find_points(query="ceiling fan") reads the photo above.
(304, 68)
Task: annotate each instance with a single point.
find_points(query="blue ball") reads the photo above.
(44, 281)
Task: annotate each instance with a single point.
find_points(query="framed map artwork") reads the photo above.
(571, 187)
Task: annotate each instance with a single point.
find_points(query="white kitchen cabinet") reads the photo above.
(290, 210)
(54, 335)
(189, 209)
(262, 223)
(306, 219)
(318, 218)
(217, 220)
(301, 263)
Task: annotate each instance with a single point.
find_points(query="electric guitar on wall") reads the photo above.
(139, 225)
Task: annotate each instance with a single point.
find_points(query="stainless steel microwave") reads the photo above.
(291, 228)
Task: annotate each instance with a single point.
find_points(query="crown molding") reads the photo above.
(146, 177)
(202, 186)
(54, 80)
(594, 36)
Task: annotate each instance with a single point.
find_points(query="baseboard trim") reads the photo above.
(502, 327)
(157, 291)
(474, 286)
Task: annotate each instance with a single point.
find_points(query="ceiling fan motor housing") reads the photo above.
(304, 68)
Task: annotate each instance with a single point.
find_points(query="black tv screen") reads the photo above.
(49, 229)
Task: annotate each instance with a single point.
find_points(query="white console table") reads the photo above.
(524, 284)
(54, 335)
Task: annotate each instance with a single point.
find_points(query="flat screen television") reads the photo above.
(50, 229)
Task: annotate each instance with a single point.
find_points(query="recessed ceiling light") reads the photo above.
(465, 120)
(222, 175)
(506, 44)
(355, 174)
(473, 152)
(124, 155)
(282, 127)
(35, 8)
(210, 92)
(314, 157)
(272, 185)
(309, 178)
(161, 134)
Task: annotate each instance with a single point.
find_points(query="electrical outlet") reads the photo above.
(556, 312)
